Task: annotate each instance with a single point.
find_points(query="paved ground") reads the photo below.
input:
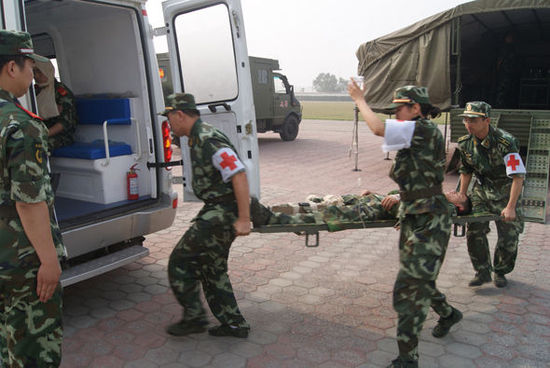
(312, 307)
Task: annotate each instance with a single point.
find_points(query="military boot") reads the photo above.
(259, 213)
(444, 324)
(500, 280)
(227, 330)
(480, 278)
(399, 363)
(183, 328)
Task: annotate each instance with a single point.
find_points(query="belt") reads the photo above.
(222, 199)
(413, 195)
(8, 212)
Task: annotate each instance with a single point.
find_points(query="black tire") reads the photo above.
(290, 128)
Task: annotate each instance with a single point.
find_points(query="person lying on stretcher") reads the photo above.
(344, 209)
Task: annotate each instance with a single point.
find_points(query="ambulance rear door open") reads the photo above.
(209, 58)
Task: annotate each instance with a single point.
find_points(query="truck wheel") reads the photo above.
(289, 130)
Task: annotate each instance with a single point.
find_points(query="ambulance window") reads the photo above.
(206, 56)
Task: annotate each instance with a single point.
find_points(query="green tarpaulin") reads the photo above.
(420, 54)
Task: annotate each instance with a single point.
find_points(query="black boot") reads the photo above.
(500, 280)
(259, 213)
(444, 324)
(480, 278)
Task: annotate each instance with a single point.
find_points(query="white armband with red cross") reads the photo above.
(514, 164)
(397, 134)
(227, 162)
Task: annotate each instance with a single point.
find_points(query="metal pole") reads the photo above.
(356, 138)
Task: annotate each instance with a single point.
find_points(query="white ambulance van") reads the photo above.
(104, 54)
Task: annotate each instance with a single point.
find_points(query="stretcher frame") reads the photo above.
(314, 228)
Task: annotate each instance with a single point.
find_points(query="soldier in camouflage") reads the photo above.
(30, 292)
(424, 214)
(353, 208)
(200, 257)
(63, 120)
(493, 156)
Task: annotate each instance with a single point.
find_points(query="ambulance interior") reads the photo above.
(100, 54)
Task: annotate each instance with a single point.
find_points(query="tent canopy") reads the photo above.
(427, 52)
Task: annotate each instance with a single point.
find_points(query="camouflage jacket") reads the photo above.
(204, 141)
(485, 159)
(68, 116)
(420, 167)
(24, 175)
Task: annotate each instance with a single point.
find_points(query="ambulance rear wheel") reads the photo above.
(289, 130)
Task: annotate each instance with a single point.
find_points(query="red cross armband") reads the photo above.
(227, 162)
(514, 164)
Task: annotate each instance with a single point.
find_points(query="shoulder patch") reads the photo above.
(504, 141)
(463, 138)
(62, 91)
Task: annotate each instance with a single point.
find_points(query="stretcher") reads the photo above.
(313, 229)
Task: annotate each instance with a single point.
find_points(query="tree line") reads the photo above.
(329, 83)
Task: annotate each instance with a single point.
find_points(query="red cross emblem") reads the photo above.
(228, 161)
(512, 162)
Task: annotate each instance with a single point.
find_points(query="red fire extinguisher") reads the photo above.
(132, 183)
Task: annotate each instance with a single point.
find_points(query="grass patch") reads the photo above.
(339, 110)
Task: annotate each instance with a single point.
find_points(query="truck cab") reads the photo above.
(277, 108)
(104, 53)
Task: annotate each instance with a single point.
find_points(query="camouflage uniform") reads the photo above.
(425, 220)
(200, 257)
(31, 331)
(490, 193)
(355, 208)
(67, 117)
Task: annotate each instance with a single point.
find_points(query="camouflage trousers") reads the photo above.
(200, 258)
(506, 249)
(354, 209)
(422, 246)
(60, 140)
(31, 332)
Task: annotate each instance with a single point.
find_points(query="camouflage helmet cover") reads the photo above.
(409, 95)
(18, 43)
(179, 101)
(476, 109)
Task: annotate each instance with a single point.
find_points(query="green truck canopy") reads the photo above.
(427, 52)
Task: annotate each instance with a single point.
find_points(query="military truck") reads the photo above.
(277, 108)
(493, 51)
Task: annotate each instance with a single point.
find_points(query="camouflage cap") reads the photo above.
(476, 109)
(179, 101)
(18, 43)
(409, 95)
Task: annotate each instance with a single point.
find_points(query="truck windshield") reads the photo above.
(206, 57)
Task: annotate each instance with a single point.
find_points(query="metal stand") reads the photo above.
(355, 139)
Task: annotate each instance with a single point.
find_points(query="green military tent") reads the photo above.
(454, 54)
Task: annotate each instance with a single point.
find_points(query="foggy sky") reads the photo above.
(309, 37)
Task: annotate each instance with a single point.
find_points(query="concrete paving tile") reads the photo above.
(107, 362)
(463, 350)
(528, 363)
(454, 361)
(195, 358)
(348, 357)
(491, 362)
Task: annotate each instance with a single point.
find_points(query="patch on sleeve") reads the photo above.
(397, 135)
(62, 91)
(514, 164)
(227, 162)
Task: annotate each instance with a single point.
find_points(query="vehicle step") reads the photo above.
(103, 264)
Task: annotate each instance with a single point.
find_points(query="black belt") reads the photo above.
(223, 199)
(413, 195)
(8, 212)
